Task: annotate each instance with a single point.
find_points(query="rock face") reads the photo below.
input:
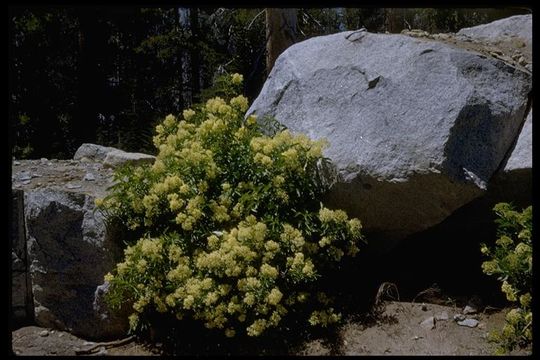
(92, 152)
(416, 127)
(117, 158)
(21, 294)
(69, 247)
(111, 157)
(70, 253)
(521, 156)
(513, 181)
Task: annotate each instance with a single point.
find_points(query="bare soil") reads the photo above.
(396, 330)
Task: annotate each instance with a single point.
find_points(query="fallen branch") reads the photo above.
(106, 345)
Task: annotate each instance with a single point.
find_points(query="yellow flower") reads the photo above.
(275, 296)
(108, 277)
(251, 120)
(240, 102)
(525, 300)
(230, 333)
(170, 120)
(133, 320)
(509, 291)
(188, 114)
(257, 327)
(269, 271)
(513, 316)
(237, 79)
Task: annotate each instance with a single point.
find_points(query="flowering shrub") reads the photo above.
(232, 230)
(511, 260)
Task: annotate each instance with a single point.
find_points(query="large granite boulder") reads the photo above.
(70, 253)
(69, 246)
(416, 127)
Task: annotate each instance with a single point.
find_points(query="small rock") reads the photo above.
(49, 164)
(442, 316)
(52, 331)
(469, 323)
(89, 177)
(43, 160)
(26, 182)
(34, 175)
(424, 307)
(522, 61)
(482, 326)
(16, 163)
(429, 323)
(88, 343)
(44, 333)
(60, 334)
(416, 337)
(25, 177)
(72, 186)
(459, 317)
(469, 310)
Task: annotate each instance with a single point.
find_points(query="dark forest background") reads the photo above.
(107, 75)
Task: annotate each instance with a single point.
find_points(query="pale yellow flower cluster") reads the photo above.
(324, 317)
(237, 79)
(292, 237)
(301, 266)
(510, 292)
(218, 262)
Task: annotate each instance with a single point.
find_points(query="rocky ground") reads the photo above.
(70, 175)
(402, 328)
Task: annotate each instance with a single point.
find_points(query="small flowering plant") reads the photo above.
(232, 231)
(511, 261)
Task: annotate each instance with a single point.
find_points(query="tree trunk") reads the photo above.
(280, 33)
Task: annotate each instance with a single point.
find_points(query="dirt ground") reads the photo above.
(397, 330)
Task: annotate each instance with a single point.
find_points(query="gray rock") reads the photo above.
(118, 157)
(44, 333)
(429, 323)
(472, 323)
(422, 142)
(73, 186)
(69, 252)
(515, 29)
(25, 177)
(521, 156)
(513, 182)
(469, 310)
(459, 317)
(443, 316)
(16, 163)
(92, 152)
(112, 322)
(89, 177)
